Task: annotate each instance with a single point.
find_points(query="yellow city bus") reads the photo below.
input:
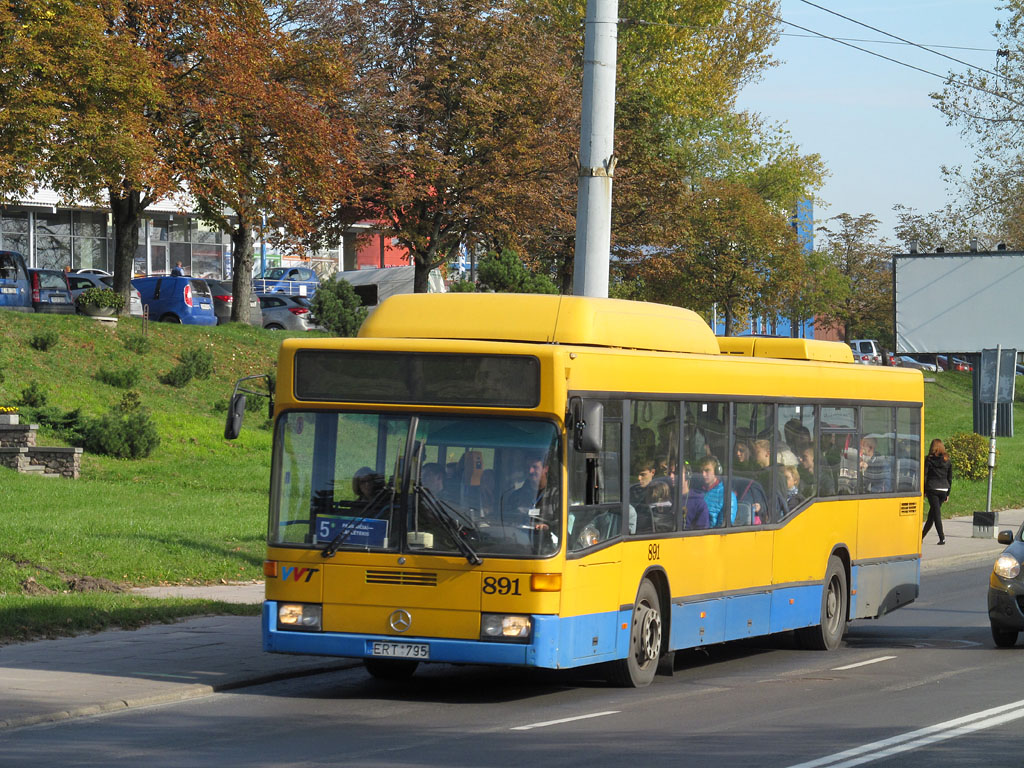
(557, 481)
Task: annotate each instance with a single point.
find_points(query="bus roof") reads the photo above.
(786, 349)
(541, 318)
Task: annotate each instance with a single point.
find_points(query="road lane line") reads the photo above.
(863, 663)
(546, 723)
(922, 737)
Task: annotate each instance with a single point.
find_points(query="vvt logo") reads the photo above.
(296, 574)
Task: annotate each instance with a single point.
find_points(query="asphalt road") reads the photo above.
(923, 686)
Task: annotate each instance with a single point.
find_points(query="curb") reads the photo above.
(954, 562)
(193, 691)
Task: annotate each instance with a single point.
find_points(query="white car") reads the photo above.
(80, 281)
(866, 351)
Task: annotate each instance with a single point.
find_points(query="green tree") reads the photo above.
(505, 273)
(865, 303)
(337, 308)
(733, 238)
(986, 106)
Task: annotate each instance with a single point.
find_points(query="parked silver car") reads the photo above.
(284, 312)
(80, 281)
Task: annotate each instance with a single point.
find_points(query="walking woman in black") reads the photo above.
(938, 478)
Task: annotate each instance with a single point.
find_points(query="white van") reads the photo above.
(866, 351)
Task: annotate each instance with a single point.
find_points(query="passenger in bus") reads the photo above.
(875, 471)
(365, 483)
(645, 471)
(694, 505)
(791, 479)
(714, 492)
(743, 458)
(816, 482)
(535, 498)
(432, 478)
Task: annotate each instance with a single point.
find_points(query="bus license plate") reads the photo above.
(402, 650)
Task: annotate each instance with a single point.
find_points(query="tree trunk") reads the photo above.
(422, 274)
(727, 310)
(126, 206)
(241, 269)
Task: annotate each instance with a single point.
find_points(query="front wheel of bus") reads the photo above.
(827, 635)
(390, 669)
(638, 668)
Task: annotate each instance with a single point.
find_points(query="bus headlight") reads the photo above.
(1007, 567)
(501, 626)
(304, 617)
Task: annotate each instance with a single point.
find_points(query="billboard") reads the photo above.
(959, 302)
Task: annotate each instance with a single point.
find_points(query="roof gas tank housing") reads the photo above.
(542, 319)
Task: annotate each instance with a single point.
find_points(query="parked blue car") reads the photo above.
(175, 299)
(294, 281)
(50, 292)
(14, 282)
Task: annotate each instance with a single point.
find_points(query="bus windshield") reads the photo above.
(463, 486)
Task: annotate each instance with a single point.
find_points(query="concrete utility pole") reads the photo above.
(597, 158)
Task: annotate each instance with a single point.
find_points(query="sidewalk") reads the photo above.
(51, 680)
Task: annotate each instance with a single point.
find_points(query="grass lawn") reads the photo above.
(195, 510)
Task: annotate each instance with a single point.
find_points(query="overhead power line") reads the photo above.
(896, 37)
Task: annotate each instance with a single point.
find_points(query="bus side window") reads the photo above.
(595, 487)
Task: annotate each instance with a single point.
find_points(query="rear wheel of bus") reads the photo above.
(390, 669)
(827, 635)
(640, 665)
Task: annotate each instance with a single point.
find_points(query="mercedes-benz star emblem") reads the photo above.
(400, 620)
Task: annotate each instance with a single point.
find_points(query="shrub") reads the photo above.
(337, 308)
(69, 425)
(196, 362)
(34, 396)
(199, 361)
(462, 286)
(969, 453)
(43, 340)
(137, 343)
(129, 434)
(123, 378)
(178, 376)
(100, 297)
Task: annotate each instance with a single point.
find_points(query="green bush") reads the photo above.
(44, 340)
(100, 297)
(178, 376)
(199, 361)
(462, 286)
(122, 378)
(34, 396)
(137, 343)
(969, 453)
(337, 308)
(69, 425)
(194, 363)
(129, 434)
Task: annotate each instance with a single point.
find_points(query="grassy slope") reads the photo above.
(948, 411)
(194, 512)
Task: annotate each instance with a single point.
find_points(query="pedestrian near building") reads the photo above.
(938, 479)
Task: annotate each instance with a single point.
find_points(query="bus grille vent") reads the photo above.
(402, 578)
(908, 508)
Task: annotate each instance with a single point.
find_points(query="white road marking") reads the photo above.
(863, 663)
(563, 720)
(924, 737)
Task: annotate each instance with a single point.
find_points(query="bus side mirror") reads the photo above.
(236, 412)
(588, 425)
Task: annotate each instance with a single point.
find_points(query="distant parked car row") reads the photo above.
(172, 299)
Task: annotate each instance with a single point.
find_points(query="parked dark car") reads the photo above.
(1006, 591)
(82, 281)
(173, 299)
(909, 362)
(14, 283)
(223, 300)
(284, 312)
(50, 293)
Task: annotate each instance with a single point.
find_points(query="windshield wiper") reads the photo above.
(453, 521)
(343, 535)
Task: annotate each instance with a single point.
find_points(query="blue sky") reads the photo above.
(872, 121)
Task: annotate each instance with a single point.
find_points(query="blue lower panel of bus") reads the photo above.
(735, 617)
